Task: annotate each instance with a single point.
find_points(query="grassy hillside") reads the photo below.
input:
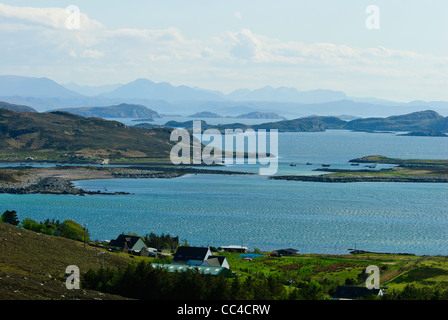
(57, 133)
(32, 265)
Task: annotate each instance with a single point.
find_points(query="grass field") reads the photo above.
(396, 271)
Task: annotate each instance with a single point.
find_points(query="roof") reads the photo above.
(290, 250)
(190, 253)
(234, 247)
(119, 242)
(183, 267)
(216, 261)
(350, 292)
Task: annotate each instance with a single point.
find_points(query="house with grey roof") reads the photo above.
(127, 243)
(198, 256)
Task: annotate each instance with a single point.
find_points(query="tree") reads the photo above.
(10, 217)
(72, 230)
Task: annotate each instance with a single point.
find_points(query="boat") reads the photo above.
(308, 163)
(292, 164)
(355, 164)
(371, 166)
(325, 165)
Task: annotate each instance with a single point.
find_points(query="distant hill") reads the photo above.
(260, 115)
(147, 89)
(416, 121)
(16, 107)
(205, 114)
(33, 87)
(123, 110)
(56, 133)
(311, 124)
(308, 124)
(426, 133)
(283, 94)
(91, 90)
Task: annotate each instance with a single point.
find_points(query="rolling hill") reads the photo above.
(123, 110)
(416, 121)
(15, 107)
(56, 133)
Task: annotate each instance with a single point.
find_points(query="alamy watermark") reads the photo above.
(189, 149)
(373, 18)
(373, 280)
(73, 279)
(73, 21)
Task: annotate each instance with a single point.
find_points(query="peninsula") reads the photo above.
(406, 170)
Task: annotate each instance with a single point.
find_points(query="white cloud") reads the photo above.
(55, 18)
(238, 15)
(92, 53)
(246, 45)
(37, 39)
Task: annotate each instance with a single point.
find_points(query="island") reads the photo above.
(406, 170)
(260, 115)
(205, 114)
(425, 133)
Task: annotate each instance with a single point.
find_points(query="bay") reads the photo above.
(312, 217)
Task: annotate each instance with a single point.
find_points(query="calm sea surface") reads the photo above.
(267, 214)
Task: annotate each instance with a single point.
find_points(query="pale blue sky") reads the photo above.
(225, 45)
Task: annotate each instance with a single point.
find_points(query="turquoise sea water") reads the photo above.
(268, 214)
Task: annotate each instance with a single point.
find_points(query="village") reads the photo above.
(188, 257)
(215, 263)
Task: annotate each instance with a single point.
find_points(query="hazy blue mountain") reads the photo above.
(283, 94)
(91, 90)
(43, 94)
(33, 87)
(147, 89)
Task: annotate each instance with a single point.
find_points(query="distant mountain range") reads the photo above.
(44, 94)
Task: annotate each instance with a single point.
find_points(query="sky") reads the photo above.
(396, 50)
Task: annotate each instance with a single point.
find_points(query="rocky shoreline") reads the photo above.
(59, 180)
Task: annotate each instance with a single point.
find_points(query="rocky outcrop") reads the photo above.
(347, 179)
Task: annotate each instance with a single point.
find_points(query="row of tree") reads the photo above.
(67, 228)
(143, 281)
